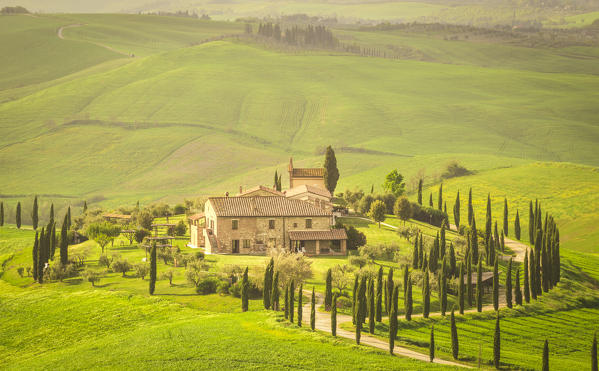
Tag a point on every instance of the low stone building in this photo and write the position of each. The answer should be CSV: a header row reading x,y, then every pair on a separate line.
x,y
253,224
317,196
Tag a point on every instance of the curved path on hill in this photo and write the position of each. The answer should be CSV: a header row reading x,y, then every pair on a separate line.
x,y
61,36
323,323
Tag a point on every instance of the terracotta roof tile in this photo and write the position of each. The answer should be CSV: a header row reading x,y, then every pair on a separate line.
x,y
313,235
264,206
304,188
116,216
197,216
261,188
307,172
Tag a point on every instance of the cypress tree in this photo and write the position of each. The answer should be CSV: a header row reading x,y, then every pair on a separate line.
x,y
152,266
331,173
430,200
35,257
355,299
532,274
526,279
431,346
53,241
34,214
287,301
443,288
408,302
420,192
455,347
502,242
489,220
245,288
18,215
440,200
313,311
427,295
479,288
545,277
517,226
496,286
421,252
379,295
40,256
1,214
518,290
452,262
456,210
406,275
415,258
85,206
328,293
497,343
68,214
291,300
268,284
469,289
557,260
443,242
505,222
371,307
359,315
389,290
334,316
299,305
594,353
531,224
461,289
508,285
392,326
275,292
546,356
474,241
276,180
470,209
362,300
52,213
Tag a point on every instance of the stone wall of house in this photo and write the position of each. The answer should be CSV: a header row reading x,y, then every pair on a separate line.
x,y
256,231
315,182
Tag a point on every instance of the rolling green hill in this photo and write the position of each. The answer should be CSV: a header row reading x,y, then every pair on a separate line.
x,y
186,117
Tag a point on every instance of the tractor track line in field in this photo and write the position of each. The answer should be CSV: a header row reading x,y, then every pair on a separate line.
x,y
61,36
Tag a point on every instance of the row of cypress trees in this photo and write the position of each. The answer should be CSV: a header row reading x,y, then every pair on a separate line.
x,y
34,214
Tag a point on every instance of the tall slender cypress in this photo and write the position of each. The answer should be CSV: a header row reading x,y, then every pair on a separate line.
x,y
427,295
355,299
415,258
461,289
52,213
470,209
268,284
18,215
300,310
34,214
392,326
518,290
440,200
152,266
408,302
455,346
474,241
452,262
469,290
388,290
430,200
497,344
371,307
313,311
489,219
287,301
334,316
546,356
505,221
431,346
443,291
52,241
508,285
526,279
406,275
68,215
532,274
456,210
41,256
517,226
531,224
245,288
479,287
35,257
379,295
1,214
291,300
420,191
328,293
274,296
496,285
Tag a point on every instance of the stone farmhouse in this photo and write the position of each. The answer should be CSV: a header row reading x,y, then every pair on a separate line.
x,y
299,219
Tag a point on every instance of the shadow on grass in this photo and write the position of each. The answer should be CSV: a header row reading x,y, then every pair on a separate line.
x,y
104,285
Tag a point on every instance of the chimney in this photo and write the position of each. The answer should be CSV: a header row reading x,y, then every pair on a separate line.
x,y
227,194
240,189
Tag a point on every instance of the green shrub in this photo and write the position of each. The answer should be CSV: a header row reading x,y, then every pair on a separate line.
x,y
344,302
180,228
223,287
207,285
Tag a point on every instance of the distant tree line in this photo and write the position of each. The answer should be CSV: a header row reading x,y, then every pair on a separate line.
x,y
14,10
307,36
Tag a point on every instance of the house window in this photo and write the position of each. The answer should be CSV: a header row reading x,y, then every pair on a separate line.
x,y
235,246
271,224
294,225
246,244
308,223
234,224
